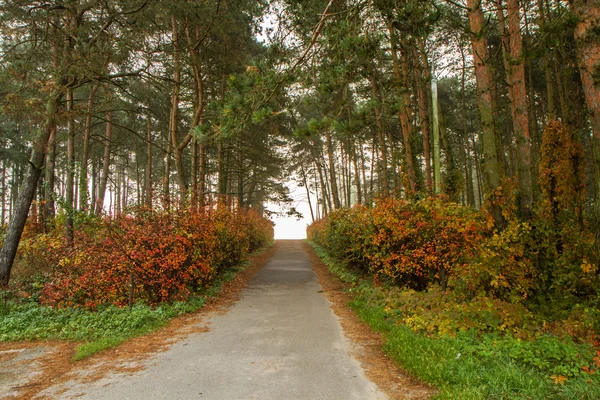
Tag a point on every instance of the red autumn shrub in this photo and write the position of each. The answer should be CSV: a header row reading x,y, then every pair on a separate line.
x,y
424,241
413,244
259,229
169,254
232,237
316,231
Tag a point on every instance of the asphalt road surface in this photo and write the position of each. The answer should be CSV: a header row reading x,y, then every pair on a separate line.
x,y
279,341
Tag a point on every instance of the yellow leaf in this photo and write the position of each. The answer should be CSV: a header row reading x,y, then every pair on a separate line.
x,y
559,380
586,267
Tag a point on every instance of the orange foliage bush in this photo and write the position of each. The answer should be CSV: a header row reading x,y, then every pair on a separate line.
x,y
169,254
412,244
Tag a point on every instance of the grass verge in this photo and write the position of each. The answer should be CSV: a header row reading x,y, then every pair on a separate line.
x,y
473,365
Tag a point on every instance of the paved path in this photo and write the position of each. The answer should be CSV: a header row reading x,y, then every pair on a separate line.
x,y
280,341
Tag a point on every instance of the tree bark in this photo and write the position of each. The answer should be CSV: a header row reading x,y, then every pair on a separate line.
x,y
422,81
404,114
380,138
3,173
70,184
105,164
50,175
588,52
85,153
305,182
483,78
173,117
515,75
332,173
149,186
27,192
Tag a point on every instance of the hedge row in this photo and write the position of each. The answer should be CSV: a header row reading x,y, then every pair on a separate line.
x,y
167,255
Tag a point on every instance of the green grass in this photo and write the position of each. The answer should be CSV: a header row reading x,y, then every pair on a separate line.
x,y
100,329
473,365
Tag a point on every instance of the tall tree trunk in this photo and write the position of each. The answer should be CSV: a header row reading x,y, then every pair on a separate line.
x,y
405,111
380,138
173,117
202,180
325,195
401,79
422,82
70,184
483,78
332,174
94,184
25,197
515,75
356,173
50,175
167,176
194,174
85,152
149,186
305,182
3,173
588,54
105,163
222,181
436,138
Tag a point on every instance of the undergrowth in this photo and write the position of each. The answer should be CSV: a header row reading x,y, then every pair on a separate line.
x,y
472,363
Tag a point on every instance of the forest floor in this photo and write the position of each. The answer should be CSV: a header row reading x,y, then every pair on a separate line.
x,y
282,331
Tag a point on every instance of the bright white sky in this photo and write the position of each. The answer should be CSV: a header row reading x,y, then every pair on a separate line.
x,y
289,227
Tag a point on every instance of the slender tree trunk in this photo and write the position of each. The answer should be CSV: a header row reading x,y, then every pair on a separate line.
x,y
588,54
515,75
3,217
85,153
325,195
380,138
105,164
332,174
363,171
404,114
50,175
424,116
69,198
222,182
194,174
149,186
305,182
356,173
202,183
173,117
167,176
483,78
27,192
94,183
